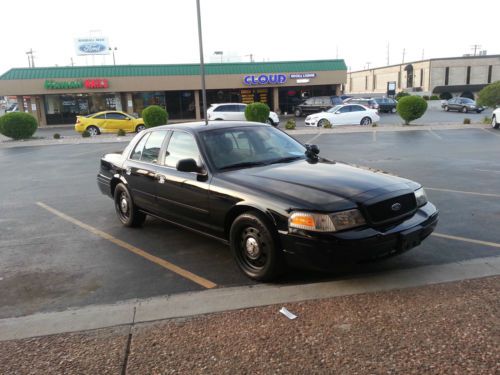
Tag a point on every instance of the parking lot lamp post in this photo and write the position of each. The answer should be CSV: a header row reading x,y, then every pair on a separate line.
x,y
202,65
113,51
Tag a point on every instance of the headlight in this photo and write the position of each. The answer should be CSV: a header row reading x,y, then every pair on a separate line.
x,y
420,197
326,223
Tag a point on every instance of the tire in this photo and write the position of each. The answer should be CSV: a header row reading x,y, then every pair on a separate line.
x,y
321,123
218,119
125,208
298,112
255,248
494,123
393,110
366,121
446,108
93,130
139,128
464,110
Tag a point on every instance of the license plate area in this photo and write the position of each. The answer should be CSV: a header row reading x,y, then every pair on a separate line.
x,y
409,239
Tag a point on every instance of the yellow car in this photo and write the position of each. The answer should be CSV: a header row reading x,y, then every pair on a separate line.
x,y
108,122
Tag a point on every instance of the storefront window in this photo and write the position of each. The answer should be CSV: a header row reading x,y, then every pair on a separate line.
x,y
289,97
143,99
180,104
63,109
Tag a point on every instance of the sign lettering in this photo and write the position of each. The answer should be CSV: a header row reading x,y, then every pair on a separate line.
x,y
265,79
95,83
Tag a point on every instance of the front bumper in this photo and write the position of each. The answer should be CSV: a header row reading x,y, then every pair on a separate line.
x,y
324,250
311,122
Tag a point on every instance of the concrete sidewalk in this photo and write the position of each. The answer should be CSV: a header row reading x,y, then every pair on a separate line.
x,y
450,328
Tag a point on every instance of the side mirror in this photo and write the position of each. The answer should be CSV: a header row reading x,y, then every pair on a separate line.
x,y
188,165
312,151
337,112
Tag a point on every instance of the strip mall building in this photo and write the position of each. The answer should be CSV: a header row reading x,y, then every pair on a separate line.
x,y
57,95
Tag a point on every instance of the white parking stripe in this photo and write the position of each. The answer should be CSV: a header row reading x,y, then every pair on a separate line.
x,y
436,135
464,192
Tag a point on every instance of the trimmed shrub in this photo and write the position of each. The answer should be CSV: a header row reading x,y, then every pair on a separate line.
x,y
466,120
426,97
486,120
401,94
154,115
258,112
445,96
327,125
57,136
120,133
434,97
18,125
290,124
85,134
490,95
411,108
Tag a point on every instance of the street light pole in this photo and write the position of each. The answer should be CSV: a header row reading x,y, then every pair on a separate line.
x,y
113,51
202,65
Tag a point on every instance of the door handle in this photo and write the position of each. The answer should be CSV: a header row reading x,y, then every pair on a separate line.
x,y
161,178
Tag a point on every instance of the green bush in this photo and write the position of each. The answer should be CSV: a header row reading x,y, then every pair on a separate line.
x,y
486,120
258,112
154,115
85,134
120,133
401,94
466,120
490,95
434,97
445,96
18,125
290,124
411,108
57,136
327,124
426,97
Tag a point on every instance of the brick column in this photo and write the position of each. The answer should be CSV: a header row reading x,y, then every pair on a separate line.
x,y
197,108
40,108
276,99
130,103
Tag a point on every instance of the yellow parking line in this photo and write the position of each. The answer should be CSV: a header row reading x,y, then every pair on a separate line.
x,y
464,239
161,262
465,192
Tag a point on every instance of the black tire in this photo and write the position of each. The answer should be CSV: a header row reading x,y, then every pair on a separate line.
x,y
219,119
393,110
494,123
255,247
93,130
366,121
139,128
125,208
298,112
446,108
464,110
321,123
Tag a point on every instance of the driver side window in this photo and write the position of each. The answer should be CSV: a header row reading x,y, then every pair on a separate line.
x,y
181,146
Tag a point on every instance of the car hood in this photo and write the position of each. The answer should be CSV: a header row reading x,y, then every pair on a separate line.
x,y
323,186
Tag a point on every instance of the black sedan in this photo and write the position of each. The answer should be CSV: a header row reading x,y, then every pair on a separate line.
x,y
271,198
463,105
386,105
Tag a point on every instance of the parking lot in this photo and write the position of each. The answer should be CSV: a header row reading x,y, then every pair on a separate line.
x,y
63,246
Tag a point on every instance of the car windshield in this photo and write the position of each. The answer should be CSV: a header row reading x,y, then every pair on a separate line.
x,y
249,146
334,109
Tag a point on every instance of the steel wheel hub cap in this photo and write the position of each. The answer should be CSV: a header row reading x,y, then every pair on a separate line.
x,y
124,205
252,248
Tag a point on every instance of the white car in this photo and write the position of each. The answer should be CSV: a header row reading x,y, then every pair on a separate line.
x,y
495,119
346,114
235,112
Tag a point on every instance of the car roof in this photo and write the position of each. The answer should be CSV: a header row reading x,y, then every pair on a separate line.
x,y
200,126
213,104
103,112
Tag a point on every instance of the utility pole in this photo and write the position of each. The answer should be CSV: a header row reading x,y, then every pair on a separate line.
x,y
368,65
404,50
475,47
72,63
31,58
113,51
388,54
202,64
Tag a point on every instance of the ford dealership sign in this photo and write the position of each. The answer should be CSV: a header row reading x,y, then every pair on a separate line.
x,y
92,46
265,79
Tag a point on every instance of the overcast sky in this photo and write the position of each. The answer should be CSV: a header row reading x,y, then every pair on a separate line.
x,y
165,32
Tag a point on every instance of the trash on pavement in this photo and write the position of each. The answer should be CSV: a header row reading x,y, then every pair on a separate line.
x,y
287,313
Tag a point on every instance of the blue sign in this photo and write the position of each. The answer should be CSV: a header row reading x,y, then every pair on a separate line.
x,y
90,48
302,75
265,79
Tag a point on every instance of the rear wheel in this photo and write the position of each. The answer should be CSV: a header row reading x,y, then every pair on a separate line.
x,y
93,130
139,128
494,123
125,208
254,247
366,121
298,112
393,110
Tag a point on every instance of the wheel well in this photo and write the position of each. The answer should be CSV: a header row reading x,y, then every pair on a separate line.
x,y
237,211
115,181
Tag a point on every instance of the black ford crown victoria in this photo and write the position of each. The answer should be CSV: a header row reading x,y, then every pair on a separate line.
x,y
272,199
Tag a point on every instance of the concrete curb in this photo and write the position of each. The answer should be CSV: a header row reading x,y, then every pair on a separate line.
x,y
234,298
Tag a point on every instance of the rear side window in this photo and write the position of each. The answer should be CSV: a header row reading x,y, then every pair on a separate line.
x,y
116,116
357,108
345,109
152,148
137,153
102,116
221,108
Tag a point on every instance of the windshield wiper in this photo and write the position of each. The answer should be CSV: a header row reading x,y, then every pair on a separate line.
x,y
245,164
286,159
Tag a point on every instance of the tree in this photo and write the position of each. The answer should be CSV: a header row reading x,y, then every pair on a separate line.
x,y
490,95
258,112
154,116
411,108
18,125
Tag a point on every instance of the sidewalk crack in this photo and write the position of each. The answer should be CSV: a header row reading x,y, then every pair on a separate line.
x,y
127,346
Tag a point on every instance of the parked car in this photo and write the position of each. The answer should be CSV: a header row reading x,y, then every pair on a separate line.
x,y
273,200
386,105
108,122
367,102
346,114
316,104
12,108
235,112
495,119
463,105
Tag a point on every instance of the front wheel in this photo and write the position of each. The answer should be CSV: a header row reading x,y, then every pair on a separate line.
x,y
494,123
298,112
93,130
393,110
139,128
446,108
254,247
366,121
125,208
464,110
321,123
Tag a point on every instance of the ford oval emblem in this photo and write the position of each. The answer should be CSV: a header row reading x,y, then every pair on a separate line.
x,y
396,207
92,47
